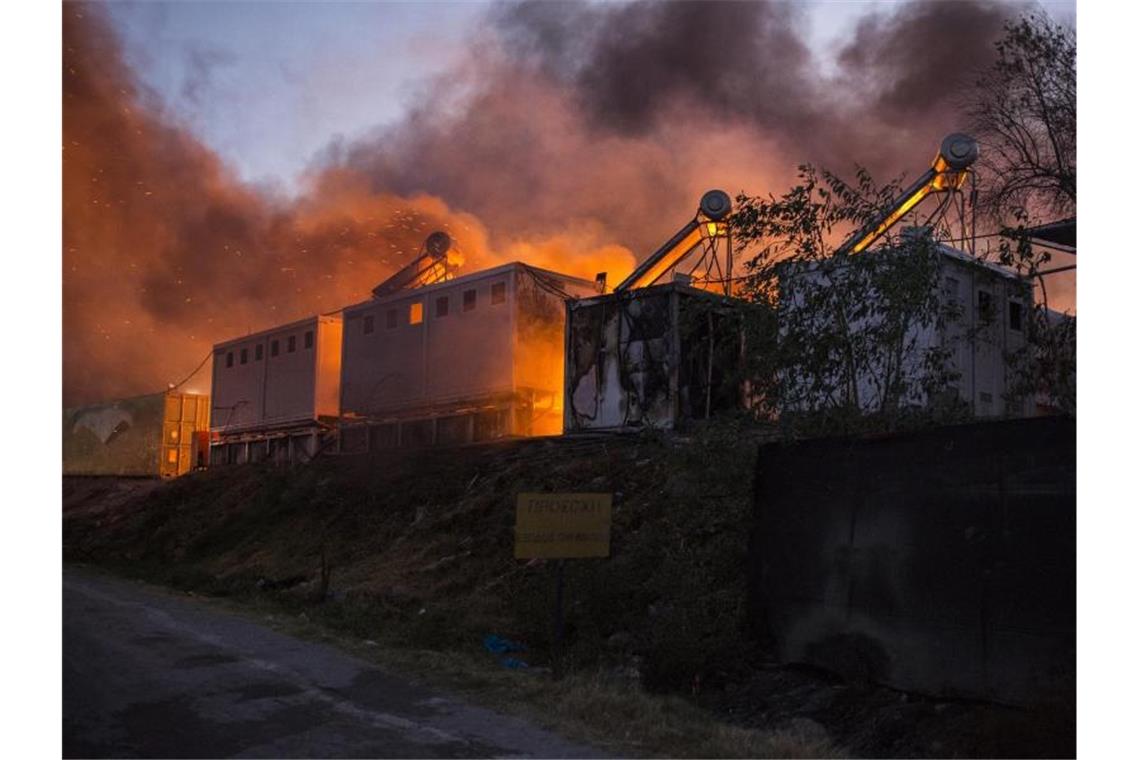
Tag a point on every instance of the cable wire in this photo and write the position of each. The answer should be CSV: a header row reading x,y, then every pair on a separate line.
x,y
201,364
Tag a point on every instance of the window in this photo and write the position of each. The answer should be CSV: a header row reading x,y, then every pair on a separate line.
x,y
369,323
174,435
291,345
468,300
1015,316
230,359
308,338
391,319
258,352
415,313
985,306
172,456
441,306
498,293
274,348
245,356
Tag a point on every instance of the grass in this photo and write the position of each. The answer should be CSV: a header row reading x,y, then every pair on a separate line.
x,y
419,548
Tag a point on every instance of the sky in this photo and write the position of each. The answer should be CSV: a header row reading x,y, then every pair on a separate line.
x,y
232,166
269,84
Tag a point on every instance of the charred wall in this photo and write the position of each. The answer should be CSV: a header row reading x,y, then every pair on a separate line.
x,y
654,357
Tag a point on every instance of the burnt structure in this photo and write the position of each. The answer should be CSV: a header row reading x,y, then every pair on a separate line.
x,y
668,345
653,358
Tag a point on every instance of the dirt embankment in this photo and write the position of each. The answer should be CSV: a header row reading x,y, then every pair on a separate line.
x,y
415,549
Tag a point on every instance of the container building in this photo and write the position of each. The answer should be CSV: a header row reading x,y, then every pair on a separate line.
x,y
657,357
472,358
276,392
667,346
158,435
990,308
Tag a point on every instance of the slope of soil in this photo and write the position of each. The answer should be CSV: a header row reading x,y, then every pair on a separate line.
x,y
414,550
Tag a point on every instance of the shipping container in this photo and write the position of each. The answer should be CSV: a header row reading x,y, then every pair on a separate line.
x,y
473,358
276,392
159,435
278,378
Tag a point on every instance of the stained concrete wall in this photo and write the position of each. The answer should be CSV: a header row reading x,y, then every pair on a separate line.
x,y
942,561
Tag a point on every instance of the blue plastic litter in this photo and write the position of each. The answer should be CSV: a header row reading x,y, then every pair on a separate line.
x,y
498,645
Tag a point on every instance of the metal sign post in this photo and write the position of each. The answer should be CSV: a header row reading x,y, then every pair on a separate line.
x,y
562,526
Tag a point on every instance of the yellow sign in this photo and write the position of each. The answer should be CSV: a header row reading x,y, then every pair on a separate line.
x,y
563,525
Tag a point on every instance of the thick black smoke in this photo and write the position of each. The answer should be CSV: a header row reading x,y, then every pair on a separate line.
x,y
569,135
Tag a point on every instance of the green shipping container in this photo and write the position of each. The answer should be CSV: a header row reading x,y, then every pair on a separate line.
x,y
159,435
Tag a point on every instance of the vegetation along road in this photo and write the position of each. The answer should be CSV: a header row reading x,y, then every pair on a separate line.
x,y
151,674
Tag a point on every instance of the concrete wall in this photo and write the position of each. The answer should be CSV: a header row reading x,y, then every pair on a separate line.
x,y
942,562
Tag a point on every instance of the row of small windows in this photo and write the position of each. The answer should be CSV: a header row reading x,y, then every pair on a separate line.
x,y
442,308
274,349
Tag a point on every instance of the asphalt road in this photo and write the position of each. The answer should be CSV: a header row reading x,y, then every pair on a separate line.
x,y
152,674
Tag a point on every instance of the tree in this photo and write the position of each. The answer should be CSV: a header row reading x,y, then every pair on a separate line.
x,y
850,350
1023,110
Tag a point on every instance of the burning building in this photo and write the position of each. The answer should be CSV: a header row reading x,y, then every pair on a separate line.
x,y
276,393
435,359
432,358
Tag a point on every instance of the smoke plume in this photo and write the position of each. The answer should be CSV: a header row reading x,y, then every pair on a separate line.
x,y
575,137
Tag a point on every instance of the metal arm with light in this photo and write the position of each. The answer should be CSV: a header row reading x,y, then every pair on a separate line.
x,y
947,173
707,226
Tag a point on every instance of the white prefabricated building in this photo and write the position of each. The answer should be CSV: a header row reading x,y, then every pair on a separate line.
x,y
473,358
994,306
276,393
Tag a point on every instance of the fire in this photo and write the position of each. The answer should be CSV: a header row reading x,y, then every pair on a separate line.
x,y
576,254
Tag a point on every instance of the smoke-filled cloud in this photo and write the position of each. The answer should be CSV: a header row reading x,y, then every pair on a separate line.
x,y
572,136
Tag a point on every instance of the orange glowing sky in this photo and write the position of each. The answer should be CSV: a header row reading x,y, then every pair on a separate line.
x,y
575,137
